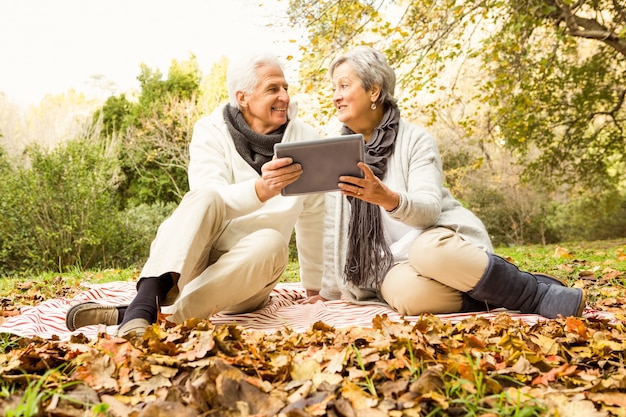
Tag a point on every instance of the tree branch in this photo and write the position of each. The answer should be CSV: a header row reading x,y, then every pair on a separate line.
x,y
589,28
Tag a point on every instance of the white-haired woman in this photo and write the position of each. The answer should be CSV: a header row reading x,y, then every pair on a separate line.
x,y
397,236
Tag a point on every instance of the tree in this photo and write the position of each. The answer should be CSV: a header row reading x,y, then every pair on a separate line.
x,y
547,78
156,128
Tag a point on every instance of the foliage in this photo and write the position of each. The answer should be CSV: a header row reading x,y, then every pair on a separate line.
x,y
156,128
155,156
475,366
38,392
544,77
64,210
55,119
213,87
601,214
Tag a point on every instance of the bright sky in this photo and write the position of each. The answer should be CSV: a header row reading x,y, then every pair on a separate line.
x,y
50,46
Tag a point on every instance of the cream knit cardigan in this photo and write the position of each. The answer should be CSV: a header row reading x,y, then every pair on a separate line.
x,y
414,171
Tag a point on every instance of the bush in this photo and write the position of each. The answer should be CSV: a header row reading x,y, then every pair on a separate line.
x,y
64,211
598,216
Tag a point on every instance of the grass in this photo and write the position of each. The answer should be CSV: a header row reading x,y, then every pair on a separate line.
x,y
570,261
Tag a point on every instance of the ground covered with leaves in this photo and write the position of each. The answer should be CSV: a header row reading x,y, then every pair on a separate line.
x,y
477,367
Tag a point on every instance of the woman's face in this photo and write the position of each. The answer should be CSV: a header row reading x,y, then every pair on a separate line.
x,y
352,101
265,110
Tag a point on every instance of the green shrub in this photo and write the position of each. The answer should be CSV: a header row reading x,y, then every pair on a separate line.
x,y
141,224
64,211
597,216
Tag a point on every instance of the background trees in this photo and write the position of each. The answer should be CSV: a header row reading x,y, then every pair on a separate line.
x,y
547,78
512,90
96,198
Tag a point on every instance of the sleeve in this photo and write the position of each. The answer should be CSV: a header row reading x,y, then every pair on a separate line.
x,y
333,247
309,241
419,163
212,163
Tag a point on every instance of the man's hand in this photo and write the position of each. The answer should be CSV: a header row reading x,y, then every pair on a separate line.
x,y
276,175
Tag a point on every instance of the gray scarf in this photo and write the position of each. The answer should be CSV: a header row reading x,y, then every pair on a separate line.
x,y
369,257
255,148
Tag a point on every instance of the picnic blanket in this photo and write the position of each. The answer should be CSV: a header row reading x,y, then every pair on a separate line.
x,y
47,319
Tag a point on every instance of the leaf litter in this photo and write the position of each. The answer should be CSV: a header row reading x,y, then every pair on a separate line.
x,y
475,367
562,367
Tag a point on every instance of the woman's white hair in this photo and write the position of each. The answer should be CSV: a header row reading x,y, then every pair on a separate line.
x,y
242,73
372,68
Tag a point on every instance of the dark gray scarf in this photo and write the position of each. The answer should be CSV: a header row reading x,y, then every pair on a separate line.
x,y
369,257
255,148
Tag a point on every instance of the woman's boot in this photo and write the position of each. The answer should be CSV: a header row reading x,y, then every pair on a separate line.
x,y
504,285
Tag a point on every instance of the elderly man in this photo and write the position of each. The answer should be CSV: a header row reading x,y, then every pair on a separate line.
x,y
226,245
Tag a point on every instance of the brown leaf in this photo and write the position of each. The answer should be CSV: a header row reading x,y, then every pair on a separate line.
x,y
233,388
554,373
609,398
167,409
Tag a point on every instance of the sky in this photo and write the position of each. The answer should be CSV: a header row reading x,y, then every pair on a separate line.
x,y
51,46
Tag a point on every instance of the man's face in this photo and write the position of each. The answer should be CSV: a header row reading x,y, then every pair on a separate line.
x,y
265,110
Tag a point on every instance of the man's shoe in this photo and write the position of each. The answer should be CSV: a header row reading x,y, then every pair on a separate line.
x,y
134,328
90,313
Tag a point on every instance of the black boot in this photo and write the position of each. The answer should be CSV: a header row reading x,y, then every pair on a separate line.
x,y
471,305
504,285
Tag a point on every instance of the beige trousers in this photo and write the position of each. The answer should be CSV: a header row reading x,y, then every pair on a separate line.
x,y
236,281
440,268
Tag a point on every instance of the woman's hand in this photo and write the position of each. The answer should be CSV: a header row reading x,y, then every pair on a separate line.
x,y
370,189
312,300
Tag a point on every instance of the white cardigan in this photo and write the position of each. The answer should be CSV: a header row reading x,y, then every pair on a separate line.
x,y
215,162
414,170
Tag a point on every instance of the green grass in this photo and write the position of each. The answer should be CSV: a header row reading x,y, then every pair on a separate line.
x,y
569,260
595,262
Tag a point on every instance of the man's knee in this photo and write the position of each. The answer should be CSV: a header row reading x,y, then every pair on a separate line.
x,y
272,242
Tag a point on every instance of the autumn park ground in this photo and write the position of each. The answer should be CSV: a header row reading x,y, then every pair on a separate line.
x,y
476,367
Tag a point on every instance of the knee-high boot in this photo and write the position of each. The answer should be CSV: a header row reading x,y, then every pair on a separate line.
x,y
503,284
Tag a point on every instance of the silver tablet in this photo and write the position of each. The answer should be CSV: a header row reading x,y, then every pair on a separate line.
x,y
323,162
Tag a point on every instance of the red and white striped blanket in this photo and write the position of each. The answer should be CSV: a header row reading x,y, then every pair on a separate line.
x,y
47,319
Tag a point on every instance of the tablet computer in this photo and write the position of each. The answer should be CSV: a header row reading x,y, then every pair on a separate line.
x,y
323,162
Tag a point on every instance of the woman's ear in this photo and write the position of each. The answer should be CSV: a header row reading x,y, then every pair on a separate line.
x,y
375,93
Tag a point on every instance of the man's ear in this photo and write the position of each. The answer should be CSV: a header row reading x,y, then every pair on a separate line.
x,y
241,99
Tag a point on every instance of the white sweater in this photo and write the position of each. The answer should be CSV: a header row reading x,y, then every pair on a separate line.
x,y
414,170
215,162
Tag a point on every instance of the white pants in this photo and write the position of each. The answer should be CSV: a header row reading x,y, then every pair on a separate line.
x,y
236,281
441,266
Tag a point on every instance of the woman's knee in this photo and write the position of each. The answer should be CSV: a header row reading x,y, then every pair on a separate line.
x,y
436,301
433,247
411,294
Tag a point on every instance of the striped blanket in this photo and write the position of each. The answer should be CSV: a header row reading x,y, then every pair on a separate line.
x,y
47,319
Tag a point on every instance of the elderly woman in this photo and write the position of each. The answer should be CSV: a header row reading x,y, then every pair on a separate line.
x,y
397,236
